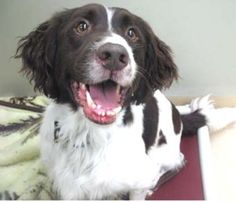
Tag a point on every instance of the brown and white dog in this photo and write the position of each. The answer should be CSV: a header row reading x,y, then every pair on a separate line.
x,y
109,130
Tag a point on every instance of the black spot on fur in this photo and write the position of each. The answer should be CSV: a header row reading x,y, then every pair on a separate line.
x,y
56,131
151,114
176,119
192,122
128,117
162,139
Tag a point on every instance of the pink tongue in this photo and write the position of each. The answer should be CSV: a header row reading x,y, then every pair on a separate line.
x,y
105,95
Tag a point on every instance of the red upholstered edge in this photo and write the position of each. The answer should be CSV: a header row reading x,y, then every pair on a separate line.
x,y
187,184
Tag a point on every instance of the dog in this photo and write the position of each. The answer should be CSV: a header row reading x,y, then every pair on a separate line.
x,y
109,132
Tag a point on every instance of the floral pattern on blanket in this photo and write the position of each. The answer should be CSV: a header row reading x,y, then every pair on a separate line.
x,y
22,176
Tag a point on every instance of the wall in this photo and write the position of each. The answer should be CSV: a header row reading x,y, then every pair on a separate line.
x,y
202,35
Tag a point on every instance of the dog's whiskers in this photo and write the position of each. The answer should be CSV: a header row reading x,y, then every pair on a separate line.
x,y
140,73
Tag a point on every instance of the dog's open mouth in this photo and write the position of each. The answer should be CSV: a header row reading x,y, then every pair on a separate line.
x,y
101,102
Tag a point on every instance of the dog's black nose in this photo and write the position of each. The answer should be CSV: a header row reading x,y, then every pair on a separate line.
x,y
113,56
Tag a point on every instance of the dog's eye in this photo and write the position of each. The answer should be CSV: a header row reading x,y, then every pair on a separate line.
x,y
131,34
82,28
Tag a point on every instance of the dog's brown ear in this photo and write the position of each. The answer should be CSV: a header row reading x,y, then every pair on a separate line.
x,y
37,51
159,68
159,64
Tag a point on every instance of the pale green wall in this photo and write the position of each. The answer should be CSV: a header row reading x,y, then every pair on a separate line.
x,y
202,34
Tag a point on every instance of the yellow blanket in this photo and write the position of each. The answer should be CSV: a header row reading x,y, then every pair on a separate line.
x,y
22,175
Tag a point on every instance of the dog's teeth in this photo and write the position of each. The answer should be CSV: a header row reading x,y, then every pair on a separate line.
x,y
75,85
118,89
98,106
82,86
110,113
116,110
100,113
94,106
89,99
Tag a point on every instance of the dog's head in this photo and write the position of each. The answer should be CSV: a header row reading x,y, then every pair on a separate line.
x,y
98,58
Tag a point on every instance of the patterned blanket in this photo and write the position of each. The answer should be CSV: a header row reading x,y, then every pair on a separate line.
x,y
22,175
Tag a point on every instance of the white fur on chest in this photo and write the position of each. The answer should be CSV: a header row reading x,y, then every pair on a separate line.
x,y
89,161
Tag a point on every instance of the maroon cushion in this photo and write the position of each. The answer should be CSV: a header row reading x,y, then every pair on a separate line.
x,y
187,184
